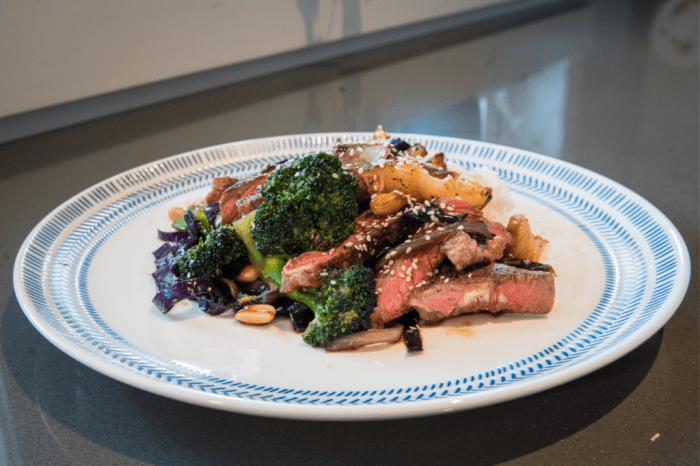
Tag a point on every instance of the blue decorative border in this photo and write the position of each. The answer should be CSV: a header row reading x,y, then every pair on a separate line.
x,y
59,254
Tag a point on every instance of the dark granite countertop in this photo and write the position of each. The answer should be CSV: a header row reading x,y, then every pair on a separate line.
x,y
606,86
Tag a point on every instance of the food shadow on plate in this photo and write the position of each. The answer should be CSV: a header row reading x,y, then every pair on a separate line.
x,y
183,311
466,321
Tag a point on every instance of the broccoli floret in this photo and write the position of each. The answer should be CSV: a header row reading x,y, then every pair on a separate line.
x,y
309,203
342,306
219,249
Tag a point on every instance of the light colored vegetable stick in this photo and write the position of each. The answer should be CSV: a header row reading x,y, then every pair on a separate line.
x,y
416,181
525,245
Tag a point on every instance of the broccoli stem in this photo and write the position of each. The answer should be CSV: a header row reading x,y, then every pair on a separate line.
x,y
341,307
270,267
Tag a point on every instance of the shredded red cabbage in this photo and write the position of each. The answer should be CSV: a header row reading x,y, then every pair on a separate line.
x,y
213,308
164,275
174,236
166,298
212,211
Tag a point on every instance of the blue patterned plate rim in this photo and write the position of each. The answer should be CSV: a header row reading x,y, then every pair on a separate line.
x,y
643,264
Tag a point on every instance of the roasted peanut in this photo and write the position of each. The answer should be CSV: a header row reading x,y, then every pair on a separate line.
x,y
387,203
439,160
248,275
256,314
418,151
175,213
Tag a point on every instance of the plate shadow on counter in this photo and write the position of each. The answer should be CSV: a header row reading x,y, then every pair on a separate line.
x,y
159,430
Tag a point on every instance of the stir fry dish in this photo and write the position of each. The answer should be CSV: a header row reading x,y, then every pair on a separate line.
x,y
359,245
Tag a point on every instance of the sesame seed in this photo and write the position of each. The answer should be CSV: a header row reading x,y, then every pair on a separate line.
x,y
348,245
335,175
408,249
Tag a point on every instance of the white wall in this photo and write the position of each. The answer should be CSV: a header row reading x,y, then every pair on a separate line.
x,y
57,51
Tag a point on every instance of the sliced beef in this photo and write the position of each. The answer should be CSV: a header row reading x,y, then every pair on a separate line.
x,y
463,251
397,275
416,260
501,238
248,204
237,191
372,233
469,247
494,288
218,187
456,206
495,246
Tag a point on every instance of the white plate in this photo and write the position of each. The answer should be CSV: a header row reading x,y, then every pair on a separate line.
x,y
83,279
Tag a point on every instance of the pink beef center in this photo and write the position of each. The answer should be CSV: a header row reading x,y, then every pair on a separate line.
x,y
461,207
496,228
311,258
393,301
444,301
519,294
